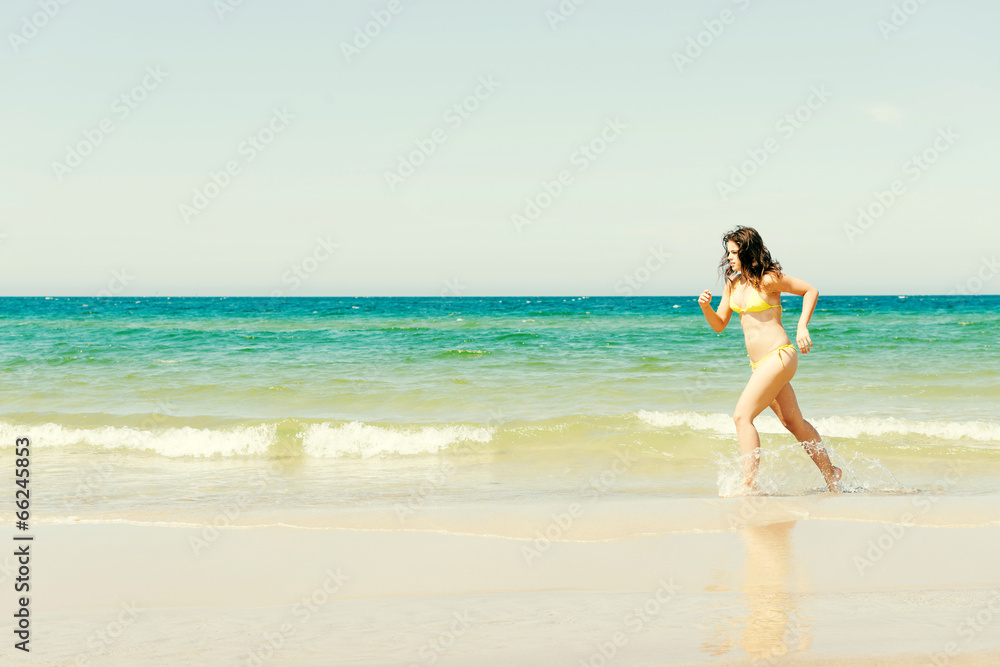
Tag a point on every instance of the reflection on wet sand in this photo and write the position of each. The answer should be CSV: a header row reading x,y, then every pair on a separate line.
x,y
766,614
772,627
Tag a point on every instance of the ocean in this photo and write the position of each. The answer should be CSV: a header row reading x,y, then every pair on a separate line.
x,y
458,414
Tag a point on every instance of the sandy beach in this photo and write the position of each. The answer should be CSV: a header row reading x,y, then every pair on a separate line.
x,y
806,592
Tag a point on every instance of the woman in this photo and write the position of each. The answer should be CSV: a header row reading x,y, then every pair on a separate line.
x,y
754,283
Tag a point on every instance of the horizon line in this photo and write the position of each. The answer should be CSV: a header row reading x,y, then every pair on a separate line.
x,y
442,297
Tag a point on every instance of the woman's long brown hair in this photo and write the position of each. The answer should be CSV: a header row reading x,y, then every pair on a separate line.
x,y
755,258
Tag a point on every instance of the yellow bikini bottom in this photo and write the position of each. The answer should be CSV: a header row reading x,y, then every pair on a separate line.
x,y
754,364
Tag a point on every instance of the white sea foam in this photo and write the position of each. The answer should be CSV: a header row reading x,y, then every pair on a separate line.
x,y
838,427
326,440
364,440
367,441
713,422
184,441
853,427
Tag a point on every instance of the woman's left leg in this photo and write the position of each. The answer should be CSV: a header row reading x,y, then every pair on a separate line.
x,y
761,389
786,407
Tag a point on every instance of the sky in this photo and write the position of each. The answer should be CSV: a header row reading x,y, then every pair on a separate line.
x,y
488,147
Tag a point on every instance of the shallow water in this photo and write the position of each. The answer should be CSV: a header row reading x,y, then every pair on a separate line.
x,y
172,410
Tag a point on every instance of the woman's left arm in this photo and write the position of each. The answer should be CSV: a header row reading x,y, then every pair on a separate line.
x,y
809,294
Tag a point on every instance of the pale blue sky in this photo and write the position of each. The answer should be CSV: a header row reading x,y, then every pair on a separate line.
x,y
448,227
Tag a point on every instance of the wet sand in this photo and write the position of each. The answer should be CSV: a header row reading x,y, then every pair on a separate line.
x,y
806,592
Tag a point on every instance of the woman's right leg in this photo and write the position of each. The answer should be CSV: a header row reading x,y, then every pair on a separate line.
x,y
786,407
760,391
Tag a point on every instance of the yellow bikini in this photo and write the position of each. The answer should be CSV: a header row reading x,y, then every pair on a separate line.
x,y
755,304
754,364
755,307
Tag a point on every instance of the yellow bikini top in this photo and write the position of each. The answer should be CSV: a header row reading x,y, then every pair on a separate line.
x,y
755,303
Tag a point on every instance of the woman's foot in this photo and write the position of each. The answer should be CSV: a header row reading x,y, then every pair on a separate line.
x,y
834,483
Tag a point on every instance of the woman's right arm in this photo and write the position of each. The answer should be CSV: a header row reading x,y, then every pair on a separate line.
x,y
716,320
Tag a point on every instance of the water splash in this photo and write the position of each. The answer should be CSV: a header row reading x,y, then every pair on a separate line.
x,y
786,469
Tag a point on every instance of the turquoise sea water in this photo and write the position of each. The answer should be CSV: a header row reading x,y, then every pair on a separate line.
x,y
362,401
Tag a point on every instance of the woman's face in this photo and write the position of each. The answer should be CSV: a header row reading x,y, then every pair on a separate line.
x,y
734,260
